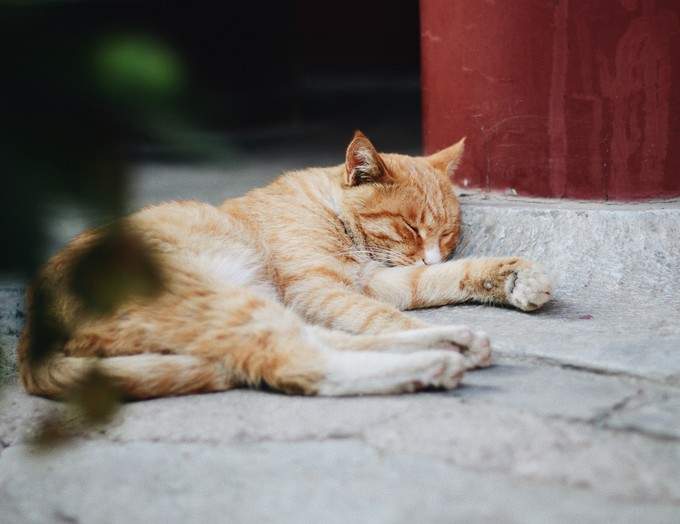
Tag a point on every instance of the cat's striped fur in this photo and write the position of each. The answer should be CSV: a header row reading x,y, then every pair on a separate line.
x,y
299,285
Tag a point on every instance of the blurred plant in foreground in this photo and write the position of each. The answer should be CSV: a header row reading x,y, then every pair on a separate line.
x,y
93,402
117,267
74,104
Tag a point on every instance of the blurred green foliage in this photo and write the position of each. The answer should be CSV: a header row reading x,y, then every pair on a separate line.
x,y
75,103
47,333
118,267
53,431
92,403
95,400
137,69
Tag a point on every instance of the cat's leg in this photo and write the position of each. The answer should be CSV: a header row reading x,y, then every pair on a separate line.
x,y
262,342
509,281
213,338
369,373
327,302
474,346
331,302
274,346
278,349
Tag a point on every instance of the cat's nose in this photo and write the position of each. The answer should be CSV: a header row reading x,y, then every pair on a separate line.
x,y
432,255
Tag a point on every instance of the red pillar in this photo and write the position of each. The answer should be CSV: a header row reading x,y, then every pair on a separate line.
x,y
558,98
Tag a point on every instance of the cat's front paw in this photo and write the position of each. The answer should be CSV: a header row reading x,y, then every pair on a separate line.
x,y
527,287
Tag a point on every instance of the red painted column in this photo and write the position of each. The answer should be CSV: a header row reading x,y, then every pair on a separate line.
x,y
558,98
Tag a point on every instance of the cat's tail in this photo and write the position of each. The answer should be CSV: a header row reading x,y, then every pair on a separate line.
x,y
137,376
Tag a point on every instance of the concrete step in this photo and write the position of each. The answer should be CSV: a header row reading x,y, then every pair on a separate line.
x,y
616,269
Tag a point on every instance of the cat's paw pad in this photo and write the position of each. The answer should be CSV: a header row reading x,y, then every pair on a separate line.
x,y
528,287
436,369
474,346
478,352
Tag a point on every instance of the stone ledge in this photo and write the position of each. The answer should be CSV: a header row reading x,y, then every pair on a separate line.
x,y
616,269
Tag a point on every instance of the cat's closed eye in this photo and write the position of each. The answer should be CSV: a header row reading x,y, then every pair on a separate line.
x,y
411,227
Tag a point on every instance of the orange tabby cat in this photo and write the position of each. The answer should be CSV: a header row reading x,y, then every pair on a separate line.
x,y
298,285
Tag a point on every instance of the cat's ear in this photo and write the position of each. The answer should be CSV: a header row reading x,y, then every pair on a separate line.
x,y
447,160
363,163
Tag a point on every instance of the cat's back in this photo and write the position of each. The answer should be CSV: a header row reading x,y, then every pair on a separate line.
x,y
293,195
188,226
184,237
297,213
200,239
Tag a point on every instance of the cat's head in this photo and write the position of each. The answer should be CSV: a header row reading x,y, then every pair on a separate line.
x,y
404,207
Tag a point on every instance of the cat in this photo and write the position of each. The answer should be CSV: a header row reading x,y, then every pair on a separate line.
x,y
299,286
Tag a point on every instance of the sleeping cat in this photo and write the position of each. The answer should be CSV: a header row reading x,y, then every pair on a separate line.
x,y
298,286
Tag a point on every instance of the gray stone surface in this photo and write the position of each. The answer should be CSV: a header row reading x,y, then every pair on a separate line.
x,y
616,269
578,421
659,415
333,481
11,321
465,455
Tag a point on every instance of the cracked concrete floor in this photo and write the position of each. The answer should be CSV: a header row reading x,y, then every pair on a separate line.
x,y
578,421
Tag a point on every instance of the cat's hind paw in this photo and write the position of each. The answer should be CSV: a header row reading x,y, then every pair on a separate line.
x,y
478,352
474,346
369,373
438,369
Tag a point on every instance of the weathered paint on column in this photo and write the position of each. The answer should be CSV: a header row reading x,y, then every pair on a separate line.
x,y
558,98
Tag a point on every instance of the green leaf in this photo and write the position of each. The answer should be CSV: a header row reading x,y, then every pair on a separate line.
x,y
119,266
137,67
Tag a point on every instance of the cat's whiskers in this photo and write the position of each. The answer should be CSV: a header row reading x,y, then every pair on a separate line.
x,y
390,253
